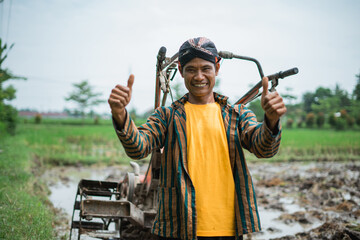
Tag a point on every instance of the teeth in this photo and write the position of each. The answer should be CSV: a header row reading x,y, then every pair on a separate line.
x,y
199,85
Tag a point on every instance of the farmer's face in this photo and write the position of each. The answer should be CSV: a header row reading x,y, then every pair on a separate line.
x,y
199,77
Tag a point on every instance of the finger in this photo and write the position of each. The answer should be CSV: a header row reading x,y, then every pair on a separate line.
x,y
265,85
122,88
276,109
118,103
271,99
282,111
130,81
114,102
122,99
120,92
277,112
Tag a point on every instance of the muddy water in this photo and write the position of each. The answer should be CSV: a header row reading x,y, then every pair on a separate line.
x,y
292,197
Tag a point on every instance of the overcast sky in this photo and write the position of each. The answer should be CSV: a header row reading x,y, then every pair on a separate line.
x,y
58,43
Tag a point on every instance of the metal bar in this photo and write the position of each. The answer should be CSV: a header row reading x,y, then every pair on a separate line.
x,y
112,209
84,183
88,225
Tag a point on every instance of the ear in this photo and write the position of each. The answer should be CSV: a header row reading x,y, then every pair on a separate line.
x,y
217,68
180,70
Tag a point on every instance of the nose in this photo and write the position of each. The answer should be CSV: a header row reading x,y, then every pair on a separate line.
x,y
199,75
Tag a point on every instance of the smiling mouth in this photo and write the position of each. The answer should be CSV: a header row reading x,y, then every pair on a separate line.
x,y
200,85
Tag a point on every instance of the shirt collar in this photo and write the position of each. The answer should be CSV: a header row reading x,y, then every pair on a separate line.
x,y
221,99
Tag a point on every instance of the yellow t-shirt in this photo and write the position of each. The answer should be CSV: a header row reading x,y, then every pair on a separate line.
x,y
210,170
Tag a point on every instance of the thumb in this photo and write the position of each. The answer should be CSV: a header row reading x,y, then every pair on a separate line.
x,y
265,85
130,81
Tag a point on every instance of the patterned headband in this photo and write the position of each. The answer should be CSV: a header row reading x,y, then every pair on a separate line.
x,y
200,47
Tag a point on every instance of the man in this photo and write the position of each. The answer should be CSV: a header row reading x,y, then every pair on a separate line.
x,y
205,189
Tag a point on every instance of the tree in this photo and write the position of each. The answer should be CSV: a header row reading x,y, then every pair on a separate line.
x,y
343,96
322,93
356,92
8,113
308,99
84,97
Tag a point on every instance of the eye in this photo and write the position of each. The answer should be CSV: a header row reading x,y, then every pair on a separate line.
x,y
190,70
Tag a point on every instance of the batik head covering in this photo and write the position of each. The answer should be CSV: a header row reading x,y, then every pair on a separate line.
x,y
200,47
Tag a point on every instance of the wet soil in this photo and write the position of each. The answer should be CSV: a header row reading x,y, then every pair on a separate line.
x,y
311,200
296,200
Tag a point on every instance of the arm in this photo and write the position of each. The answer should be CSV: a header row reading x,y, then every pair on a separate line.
x,y
119,98
257,137
263,139
139,142
273,105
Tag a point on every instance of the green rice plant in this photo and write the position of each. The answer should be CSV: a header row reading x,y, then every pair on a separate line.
x,y
24,213
317,145
69,145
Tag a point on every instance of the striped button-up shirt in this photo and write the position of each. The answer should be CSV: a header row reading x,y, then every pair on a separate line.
x,y
166,128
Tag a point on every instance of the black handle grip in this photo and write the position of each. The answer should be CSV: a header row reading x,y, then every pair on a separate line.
x,y
161,54
226,54
283,74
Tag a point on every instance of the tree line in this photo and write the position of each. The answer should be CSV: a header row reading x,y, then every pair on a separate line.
x,y
324,107
335,108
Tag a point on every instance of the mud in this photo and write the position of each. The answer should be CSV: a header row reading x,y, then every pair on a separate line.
x,y
295,200
321,198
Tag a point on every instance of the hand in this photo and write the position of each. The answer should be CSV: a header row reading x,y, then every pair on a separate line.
x,y
272,103
119,98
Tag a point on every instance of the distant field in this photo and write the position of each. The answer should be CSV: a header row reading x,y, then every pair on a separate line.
x,y
313,144
64,144
310,138
68,144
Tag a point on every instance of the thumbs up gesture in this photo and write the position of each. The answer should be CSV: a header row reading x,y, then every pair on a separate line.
x,y
273,105
119,98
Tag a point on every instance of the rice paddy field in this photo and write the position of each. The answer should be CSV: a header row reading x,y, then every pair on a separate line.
x,y
68,144
24,207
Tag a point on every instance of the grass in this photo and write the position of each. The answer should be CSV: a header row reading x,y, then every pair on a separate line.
x,y
310,138
303,144
69,145
63,144
73,121
23,212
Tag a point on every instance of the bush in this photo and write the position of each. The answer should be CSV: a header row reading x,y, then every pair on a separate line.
x,y
340,124
9,118
357,120
299,123
343,114
332,120
310,119
350,121
96,120
2,128
289,123
38,118
320,119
